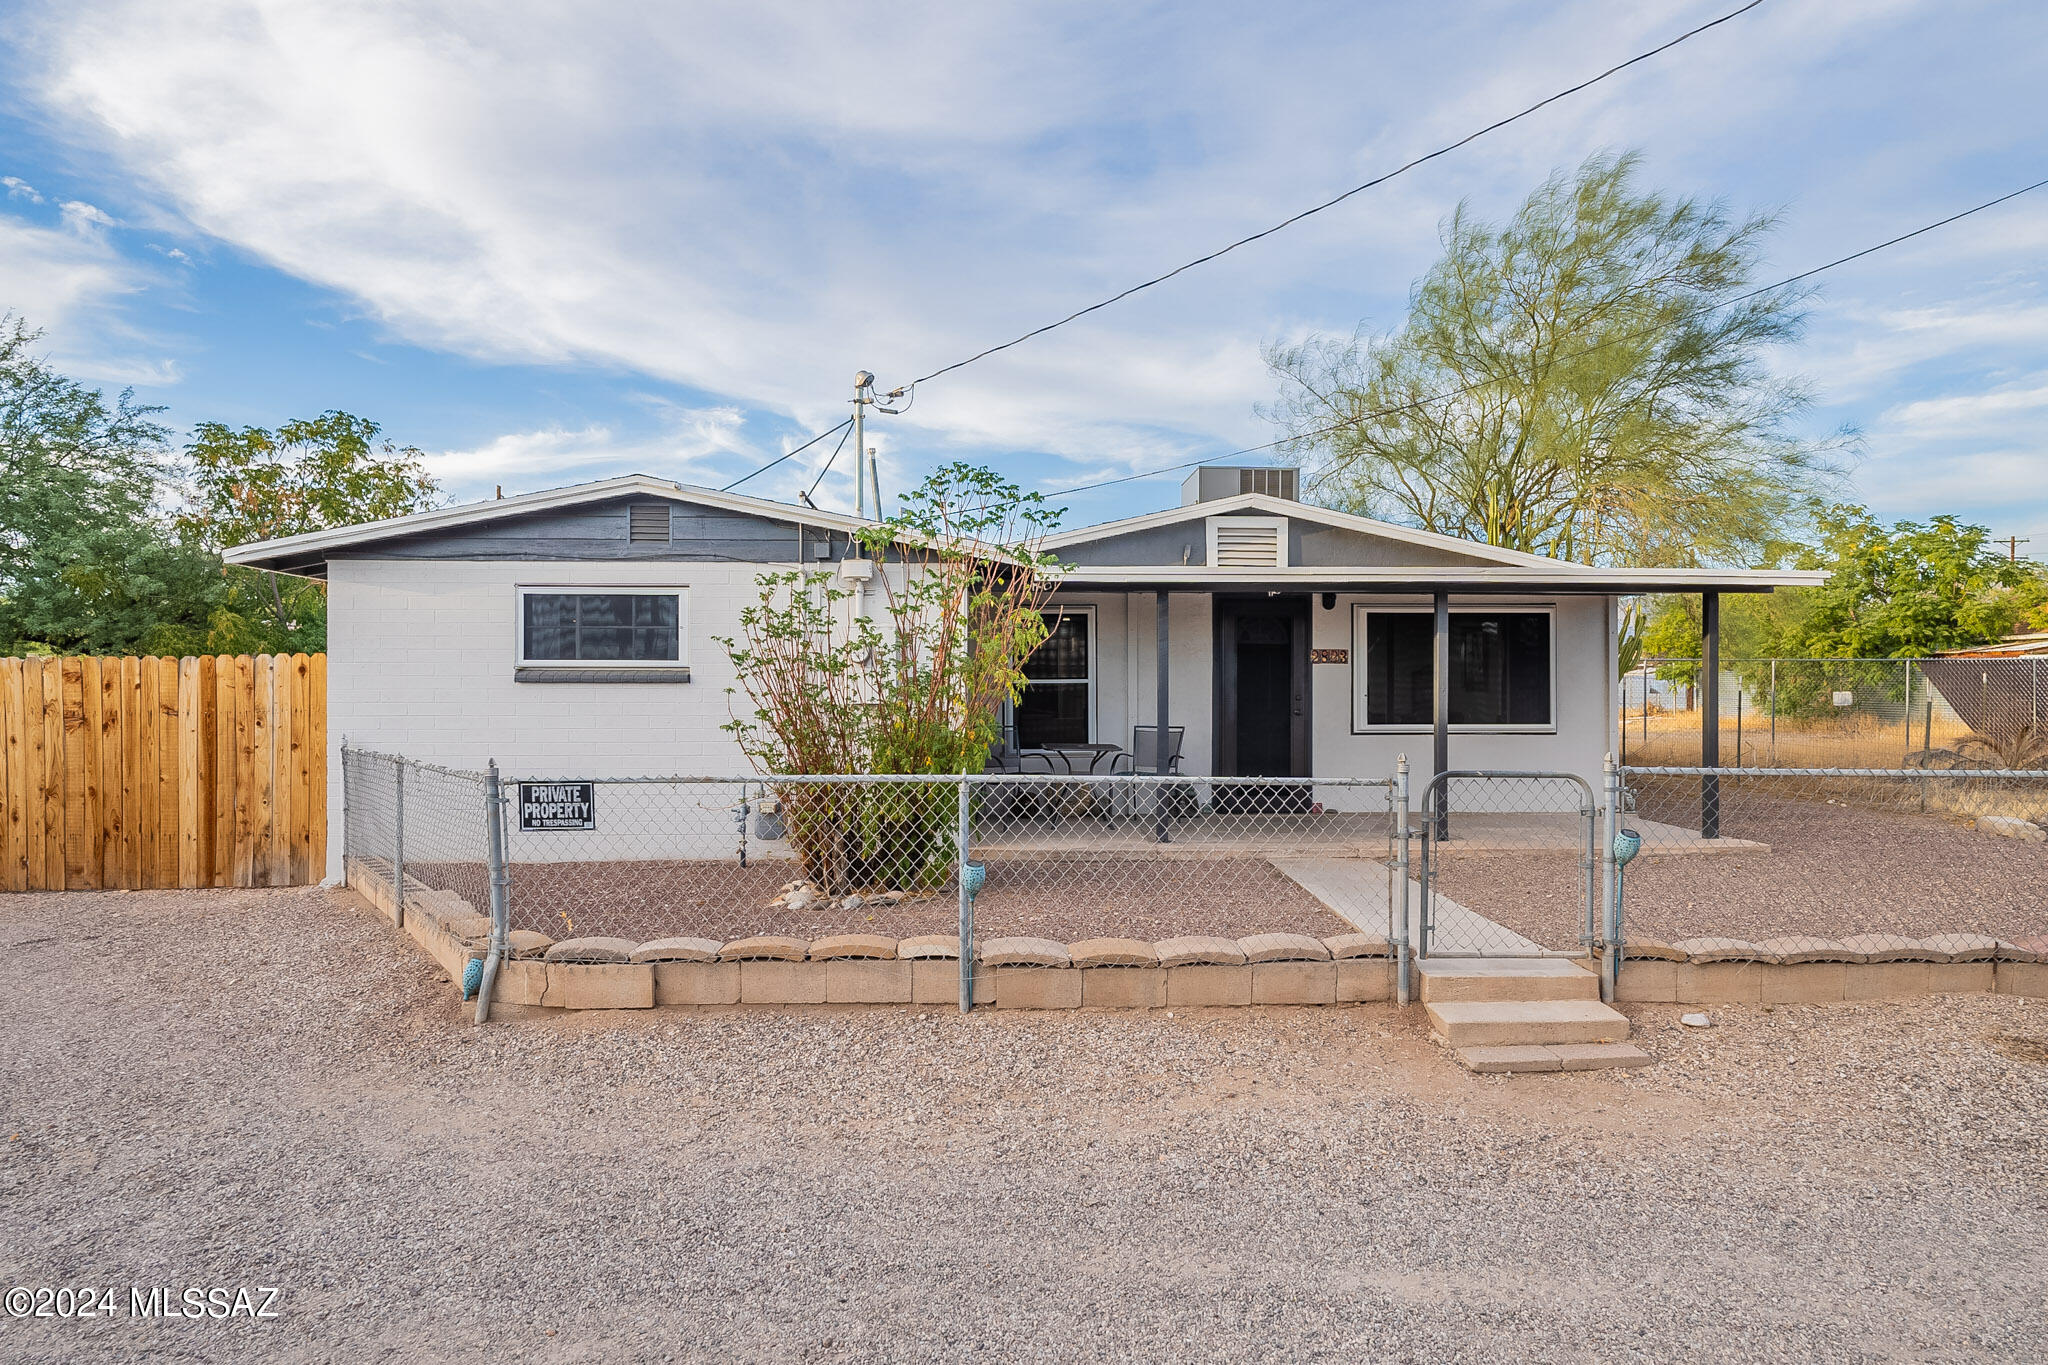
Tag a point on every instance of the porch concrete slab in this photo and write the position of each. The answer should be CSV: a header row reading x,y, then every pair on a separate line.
x,y
1357,889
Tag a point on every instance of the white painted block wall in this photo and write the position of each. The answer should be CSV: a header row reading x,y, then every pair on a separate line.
x,y
420,658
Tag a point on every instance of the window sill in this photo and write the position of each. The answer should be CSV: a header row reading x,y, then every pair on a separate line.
x,y
601,675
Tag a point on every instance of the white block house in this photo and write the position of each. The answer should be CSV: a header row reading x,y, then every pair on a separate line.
x,y
572,634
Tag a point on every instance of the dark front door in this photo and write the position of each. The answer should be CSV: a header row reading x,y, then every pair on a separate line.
x,y
1262,697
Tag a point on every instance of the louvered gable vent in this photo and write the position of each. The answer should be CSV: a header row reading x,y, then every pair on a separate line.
x,y
1248,542
647,521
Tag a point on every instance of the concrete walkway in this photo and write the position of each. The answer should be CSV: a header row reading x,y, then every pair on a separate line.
x,y
1358,889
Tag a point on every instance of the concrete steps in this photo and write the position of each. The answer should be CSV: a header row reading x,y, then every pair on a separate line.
x,y
1504,978
1524,1014
1512,1023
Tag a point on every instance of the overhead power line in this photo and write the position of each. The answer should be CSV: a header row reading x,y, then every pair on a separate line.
x,y
785,455
1479,384
1330,203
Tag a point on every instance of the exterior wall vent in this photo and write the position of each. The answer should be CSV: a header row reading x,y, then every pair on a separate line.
x,y
647,521
1247,542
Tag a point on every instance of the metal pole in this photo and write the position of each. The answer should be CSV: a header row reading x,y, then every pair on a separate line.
x,y
398,859
1160,793
1440,703
1909,705
1774,713
1738,720
501,908
966,911
1710,715
1402,963
1610,890
860,474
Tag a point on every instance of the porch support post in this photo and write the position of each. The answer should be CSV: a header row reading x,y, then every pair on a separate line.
x,y
1159,795
1710,714
1440,709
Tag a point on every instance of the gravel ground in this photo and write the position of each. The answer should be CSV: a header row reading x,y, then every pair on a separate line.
x,y
1832,870
1065,900
271,1088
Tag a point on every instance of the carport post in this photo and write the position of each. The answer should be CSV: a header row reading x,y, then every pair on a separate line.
x,y
1159,755
398,858
1710,714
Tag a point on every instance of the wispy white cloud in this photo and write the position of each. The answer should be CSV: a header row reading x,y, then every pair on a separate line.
x,y
17,188
684,446
753,203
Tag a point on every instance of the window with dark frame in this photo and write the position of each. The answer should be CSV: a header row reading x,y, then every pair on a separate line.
x,y
601,627
1500,668
1054,707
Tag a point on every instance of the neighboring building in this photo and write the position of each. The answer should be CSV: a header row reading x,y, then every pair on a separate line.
x,y
573,633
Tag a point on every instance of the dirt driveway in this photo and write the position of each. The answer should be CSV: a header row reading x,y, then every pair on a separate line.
x,y
269,1088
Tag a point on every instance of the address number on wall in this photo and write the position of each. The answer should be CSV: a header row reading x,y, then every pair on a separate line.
x,y
557,805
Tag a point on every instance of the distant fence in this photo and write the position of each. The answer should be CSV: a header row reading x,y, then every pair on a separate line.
x,y
143,773
1840,713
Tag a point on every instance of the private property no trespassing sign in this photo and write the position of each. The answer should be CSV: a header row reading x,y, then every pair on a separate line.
x,y
557,805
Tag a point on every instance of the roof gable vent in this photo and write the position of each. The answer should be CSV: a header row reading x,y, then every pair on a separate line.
x,y
647,521
1247,542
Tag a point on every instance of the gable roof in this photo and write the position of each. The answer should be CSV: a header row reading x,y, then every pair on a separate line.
x,y
1284,507
315,546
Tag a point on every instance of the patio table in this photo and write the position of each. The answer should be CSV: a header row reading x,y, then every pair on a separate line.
x,y
1089,755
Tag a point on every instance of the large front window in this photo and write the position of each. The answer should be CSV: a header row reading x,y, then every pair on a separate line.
x,y
616,626
1057,697
1500,669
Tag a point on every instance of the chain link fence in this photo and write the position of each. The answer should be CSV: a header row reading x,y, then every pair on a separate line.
x,y
1842,713
424,824
1066,867
1053,858
1897,856
1062,857
1492,843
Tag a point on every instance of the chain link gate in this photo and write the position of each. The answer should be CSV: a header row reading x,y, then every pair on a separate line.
x,y
1509,866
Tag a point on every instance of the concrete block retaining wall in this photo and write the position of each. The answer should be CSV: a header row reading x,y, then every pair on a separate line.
x,y
1263,969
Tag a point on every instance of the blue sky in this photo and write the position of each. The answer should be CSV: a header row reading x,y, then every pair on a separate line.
x,y
548,243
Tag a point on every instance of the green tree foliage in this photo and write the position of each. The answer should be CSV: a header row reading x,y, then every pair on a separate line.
x,y
1913,590
1903,592
1587,381
307,475
917,686
86,563
1907,591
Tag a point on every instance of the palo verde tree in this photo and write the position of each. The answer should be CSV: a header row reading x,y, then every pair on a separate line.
x,y
1586,381
308,475
916,686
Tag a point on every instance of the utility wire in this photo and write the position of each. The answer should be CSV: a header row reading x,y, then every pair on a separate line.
x,y
1468,388
848,424
785,455
1444,150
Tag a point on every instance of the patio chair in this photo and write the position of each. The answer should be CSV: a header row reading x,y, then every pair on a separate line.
x,y
1143,757
1144,753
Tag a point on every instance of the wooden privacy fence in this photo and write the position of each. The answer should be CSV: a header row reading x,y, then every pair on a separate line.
x,y
153,772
